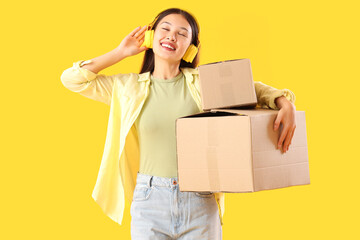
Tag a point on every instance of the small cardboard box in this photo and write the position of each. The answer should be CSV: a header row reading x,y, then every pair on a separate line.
x,y
227,84
230,150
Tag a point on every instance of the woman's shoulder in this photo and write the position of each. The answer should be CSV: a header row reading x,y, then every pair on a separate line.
x,y
134,78
142,76
187,70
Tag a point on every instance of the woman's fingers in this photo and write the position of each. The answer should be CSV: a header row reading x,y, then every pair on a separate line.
x,y
140,42
287,140
133,32
143,30
284,133
286,137
277,123
278,120
140,32
292,135
143,48
142,36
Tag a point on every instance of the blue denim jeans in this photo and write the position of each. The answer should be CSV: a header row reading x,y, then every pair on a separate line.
x,y
160,211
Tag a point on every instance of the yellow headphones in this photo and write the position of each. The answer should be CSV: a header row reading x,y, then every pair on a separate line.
x,y
149,37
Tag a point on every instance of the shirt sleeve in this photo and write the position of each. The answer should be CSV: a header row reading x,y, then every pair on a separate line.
x,y
266,95
98,87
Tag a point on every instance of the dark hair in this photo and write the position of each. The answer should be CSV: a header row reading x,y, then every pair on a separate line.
x,y
149,62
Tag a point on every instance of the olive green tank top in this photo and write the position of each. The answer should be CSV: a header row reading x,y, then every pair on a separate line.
x,y
167,100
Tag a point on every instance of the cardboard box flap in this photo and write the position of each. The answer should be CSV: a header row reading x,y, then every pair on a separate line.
x,y
210,114
252,112
225,61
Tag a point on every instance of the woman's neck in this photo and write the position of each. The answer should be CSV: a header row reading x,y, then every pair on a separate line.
x,y
165,70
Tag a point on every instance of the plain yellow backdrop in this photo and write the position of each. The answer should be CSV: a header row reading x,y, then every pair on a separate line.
x,y
52,139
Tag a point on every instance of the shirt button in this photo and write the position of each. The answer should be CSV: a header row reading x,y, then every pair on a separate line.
x,y
174,182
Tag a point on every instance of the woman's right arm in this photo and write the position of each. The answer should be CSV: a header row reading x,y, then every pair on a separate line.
x,y
97,64
83,76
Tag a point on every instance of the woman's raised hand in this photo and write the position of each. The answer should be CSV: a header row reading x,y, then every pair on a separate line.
x,y
130,45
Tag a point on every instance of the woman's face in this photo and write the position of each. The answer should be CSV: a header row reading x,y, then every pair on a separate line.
x,y
172,37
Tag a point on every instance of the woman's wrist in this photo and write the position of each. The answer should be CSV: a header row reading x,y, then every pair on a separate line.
x,y
282,101
119,53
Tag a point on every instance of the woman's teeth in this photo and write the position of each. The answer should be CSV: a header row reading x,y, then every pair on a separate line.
x,y
168,46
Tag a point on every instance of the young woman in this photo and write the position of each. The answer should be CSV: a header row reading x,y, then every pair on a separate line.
x,y
139,160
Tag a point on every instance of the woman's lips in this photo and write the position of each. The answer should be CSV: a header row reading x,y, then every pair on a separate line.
x,y
167,48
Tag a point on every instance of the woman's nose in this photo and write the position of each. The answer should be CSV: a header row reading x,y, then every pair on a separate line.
x,y
171,37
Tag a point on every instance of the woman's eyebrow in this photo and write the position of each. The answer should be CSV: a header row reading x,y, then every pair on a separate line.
x,y
180,27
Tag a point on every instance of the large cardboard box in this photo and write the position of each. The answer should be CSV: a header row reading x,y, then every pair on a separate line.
x,y
230,150
227,84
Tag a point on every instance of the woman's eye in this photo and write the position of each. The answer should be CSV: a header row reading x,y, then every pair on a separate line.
x,y
169,30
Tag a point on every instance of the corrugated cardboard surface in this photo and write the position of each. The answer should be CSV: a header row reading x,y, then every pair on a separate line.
x,y
273,169
209,153
230,150
227,84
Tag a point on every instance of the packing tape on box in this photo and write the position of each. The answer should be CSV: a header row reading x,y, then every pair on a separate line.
x,y
228,93
211,153
225,70
227,88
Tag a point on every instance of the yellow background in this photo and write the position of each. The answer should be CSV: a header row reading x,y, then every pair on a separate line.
x,y
52,140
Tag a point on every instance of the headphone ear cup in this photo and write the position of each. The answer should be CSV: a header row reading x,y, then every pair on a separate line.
x,y
148,39
151,39
190,53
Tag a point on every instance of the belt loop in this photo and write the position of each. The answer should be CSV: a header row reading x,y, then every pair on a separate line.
x,y
150,180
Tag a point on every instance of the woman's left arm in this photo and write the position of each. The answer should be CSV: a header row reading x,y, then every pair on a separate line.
x,y
282,100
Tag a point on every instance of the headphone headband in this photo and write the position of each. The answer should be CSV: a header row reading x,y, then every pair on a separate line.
x,y
151,25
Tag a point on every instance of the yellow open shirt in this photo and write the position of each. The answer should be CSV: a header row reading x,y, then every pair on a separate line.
x,y
126,94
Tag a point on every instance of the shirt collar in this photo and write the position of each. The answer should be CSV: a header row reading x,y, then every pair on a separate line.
x,y
188,72
144,76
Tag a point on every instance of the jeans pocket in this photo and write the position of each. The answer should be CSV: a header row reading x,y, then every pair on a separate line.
x,y
142,193
204,194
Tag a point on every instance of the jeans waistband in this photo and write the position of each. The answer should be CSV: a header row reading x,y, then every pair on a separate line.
x,y
150,180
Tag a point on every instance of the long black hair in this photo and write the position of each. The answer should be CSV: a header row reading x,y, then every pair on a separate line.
x,y
149,62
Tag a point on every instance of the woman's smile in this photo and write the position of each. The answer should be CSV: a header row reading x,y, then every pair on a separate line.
x,y
168,46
